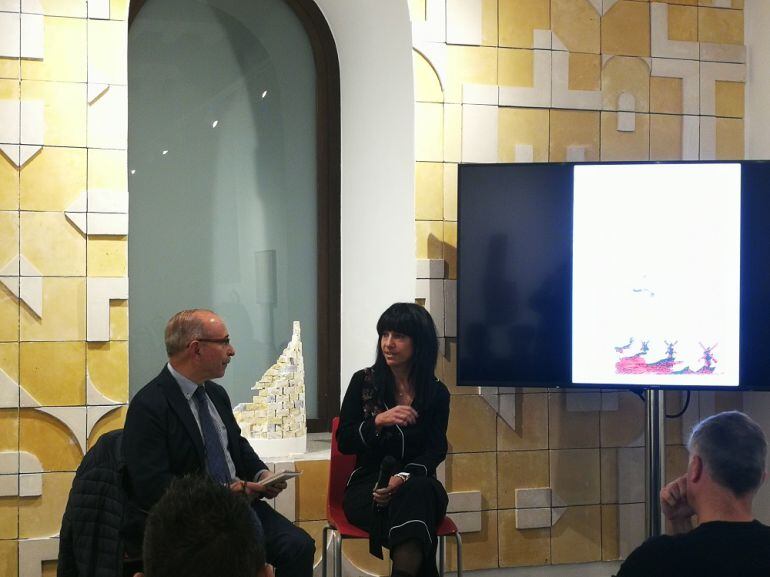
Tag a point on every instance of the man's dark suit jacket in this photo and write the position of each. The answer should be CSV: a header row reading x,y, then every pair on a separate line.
x,y
161,441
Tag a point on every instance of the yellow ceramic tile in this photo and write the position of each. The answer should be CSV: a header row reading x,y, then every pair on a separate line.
x,y
450,249
473,472
427,87
108,119
576,24
107,256
626,29
520,470
571,429
41,516
311,490
315,530
522,547
522,126
573,128
450,192
720,25
429,191
9,524
64,110
729,98
10,67
584,71
109,422
665,137
430,239
489,11
626,75
417,10
625,426
531,430
610,533
9,184
576,536
53,179
50,440
9,430
575,476
520,18
730,139
9,558
479,549
676,462
107,170
683,23
107,45
119,9
625,145
9,315
357,552
64,312
683,2
469,65
54,373
65,52
429,132
453,125
108,369
666,95
9,236
9,89
119,320
52,244
470,439
516,68
70,8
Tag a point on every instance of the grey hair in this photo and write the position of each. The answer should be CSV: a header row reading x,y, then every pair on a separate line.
x,y
183,327
733,449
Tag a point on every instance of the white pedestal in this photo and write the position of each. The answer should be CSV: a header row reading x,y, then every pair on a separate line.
x,y
270,448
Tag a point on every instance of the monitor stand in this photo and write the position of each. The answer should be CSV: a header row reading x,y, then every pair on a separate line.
x,y
655,459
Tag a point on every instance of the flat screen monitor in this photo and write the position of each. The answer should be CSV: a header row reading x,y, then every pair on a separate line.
x,y
614,275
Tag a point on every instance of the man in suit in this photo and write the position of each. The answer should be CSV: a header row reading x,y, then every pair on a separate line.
x,y
182,423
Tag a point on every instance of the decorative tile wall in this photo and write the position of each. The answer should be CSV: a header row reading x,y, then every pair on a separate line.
x,y
561,80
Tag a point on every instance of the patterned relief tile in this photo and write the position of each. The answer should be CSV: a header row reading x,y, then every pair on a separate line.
x,y
107,45
51,441
617,145
576,24
521,547
9,237
576,536
450,252
469,65
9,558
430,239
54,372
62,119
453,120
626,29
665,137
119,9
622,475
9,315
108,119
574,475
9,184
610,533
730,139
721,26
108,369
9,111
64,312
41,516
666,95
64,52
429,191
574,135
623,427
9,430
427,86
623,75
683,23
53,179
522,129
450,192
471,425
109,422
518,20
516,67
480,550
489,23
108,171
729,98
474,472
531,430
9,523
520,470
107,256
52,244
429,125
69,8
119,320
584,71
9,378
571,429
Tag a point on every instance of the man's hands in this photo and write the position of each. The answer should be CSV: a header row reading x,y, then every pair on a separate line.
x,y
254,489
382,496
676,508
401,415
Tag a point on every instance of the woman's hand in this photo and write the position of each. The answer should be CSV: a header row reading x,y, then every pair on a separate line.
x,y
382,496
401,415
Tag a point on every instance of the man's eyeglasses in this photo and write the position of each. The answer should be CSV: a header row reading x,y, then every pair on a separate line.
x,y
225,341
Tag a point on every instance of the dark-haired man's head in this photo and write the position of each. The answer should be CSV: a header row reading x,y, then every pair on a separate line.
x,y
201,529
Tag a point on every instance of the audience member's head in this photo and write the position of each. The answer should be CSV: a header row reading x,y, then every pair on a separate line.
x,y
732,448
202,529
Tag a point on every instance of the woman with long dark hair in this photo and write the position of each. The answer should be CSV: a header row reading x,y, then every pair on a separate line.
x,y
397,412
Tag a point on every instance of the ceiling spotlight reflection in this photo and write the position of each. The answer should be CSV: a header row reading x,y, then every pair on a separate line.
x,y
133,171
214,124
165,152
264,94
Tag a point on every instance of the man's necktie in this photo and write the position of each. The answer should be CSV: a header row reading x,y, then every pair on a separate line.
x,y
215,454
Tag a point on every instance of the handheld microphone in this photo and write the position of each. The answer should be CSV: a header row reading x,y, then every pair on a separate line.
x,y
387,466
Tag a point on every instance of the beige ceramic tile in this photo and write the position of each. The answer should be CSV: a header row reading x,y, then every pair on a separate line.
x,y
521,547
626,29
9,236
107,45
107,256
730,98
53,179
571,429
573,128
489,24
65,52
110,422
516,68
625,426
450,192
626,75
9,359
312,489
64,111
430,239
683,23
474,472
730,139
54,373
64,312
9,315
108,119
9,184
576,23
479,549
119,320
519,19
49,440
429,191
9,558
52,244
584,71
429,132
719,25
522,126
107,170
666,95
469,65
610,536
531,431
625,145
9,524
676,462
574,475
108,369
9,430
427,87
41,516
10,67
665,137
576,537
520,470
471,425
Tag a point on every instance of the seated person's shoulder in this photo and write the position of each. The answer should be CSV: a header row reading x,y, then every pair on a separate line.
x,y
649,558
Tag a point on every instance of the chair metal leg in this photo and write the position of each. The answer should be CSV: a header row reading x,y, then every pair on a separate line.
x,y
337,554
441,551
324,547
459,541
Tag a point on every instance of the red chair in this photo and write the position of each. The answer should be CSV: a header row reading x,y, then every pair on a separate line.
x,y
340,468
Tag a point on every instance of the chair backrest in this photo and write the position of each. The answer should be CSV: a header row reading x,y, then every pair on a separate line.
x,y
340,468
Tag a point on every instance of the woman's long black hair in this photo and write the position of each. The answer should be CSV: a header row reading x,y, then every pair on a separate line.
x,y
414,321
